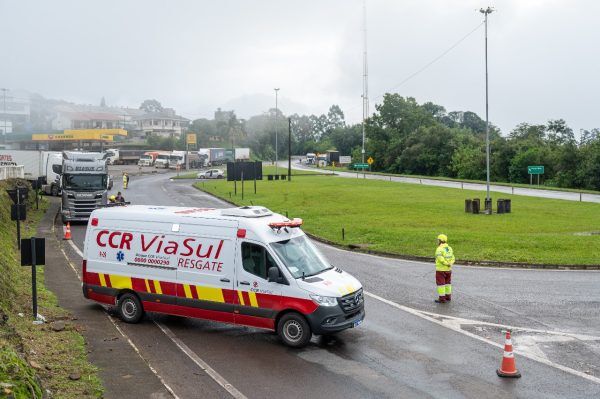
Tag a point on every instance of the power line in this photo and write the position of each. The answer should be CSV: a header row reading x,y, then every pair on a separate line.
x,y
409,77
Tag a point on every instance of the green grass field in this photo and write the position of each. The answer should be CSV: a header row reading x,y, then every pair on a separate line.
x,y
406,218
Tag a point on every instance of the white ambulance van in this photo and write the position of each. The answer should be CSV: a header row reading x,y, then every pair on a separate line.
x,y
246,266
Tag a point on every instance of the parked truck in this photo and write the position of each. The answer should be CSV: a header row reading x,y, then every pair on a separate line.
x,y
84,184
148,158
242,154
177,160
162,160
41,166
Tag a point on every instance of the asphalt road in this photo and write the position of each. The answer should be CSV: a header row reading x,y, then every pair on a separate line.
x,y
407,347
529,192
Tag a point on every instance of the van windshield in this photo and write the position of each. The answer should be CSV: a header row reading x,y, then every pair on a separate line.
x,y
301,257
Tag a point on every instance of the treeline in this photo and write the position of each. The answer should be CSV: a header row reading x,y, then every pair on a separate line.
x,y
406,137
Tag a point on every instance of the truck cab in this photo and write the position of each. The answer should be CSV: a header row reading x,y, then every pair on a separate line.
x,y
84,184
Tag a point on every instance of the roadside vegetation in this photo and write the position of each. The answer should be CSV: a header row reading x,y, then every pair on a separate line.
x,y
404,219
43,360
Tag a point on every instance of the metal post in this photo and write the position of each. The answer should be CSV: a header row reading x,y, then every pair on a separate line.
x,y
33,279
289,149
365,95
187,155
487,11
276,115
254,178
242,185
18,218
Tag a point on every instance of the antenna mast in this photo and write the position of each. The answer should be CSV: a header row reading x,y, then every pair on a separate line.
x,y
365,95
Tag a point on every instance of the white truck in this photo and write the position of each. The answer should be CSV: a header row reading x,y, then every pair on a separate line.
x,y
112,156
37,164
162,160
177,160
242,154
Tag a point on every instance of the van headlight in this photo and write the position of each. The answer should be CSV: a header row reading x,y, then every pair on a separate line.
x,y
324,300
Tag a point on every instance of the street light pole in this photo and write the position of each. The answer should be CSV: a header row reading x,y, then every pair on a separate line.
x,y
276,114
365,95
486,12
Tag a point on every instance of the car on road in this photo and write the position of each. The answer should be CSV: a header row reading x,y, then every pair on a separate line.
x,y
211,174
245,266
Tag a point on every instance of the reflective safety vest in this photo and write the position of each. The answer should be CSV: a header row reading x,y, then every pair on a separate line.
x,y
444,258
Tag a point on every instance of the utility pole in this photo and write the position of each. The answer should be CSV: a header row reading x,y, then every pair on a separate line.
x,y
365,95
276,114
289,149
486,12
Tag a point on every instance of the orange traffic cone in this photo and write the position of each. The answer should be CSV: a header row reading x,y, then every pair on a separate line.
x,y
68,232
508,368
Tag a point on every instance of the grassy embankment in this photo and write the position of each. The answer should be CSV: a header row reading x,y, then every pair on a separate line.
x,y
405,219
36,358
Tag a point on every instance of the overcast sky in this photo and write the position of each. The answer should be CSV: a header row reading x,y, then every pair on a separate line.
x,y
196,56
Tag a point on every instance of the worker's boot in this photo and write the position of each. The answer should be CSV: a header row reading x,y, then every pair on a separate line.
x,y
441,299
448,299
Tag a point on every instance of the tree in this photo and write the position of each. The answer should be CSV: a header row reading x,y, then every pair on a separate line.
x,y
150,106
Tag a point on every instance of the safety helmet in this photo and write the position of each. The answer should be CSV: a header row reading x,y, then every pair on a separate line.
x,y
443,237
112,198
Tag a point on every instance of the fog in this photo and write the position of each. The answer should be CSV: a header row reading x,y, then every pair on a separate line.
x,y
196,56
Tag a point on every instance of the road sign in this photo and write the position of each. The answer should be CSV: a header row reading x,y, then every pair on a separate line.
x,y
361,166
370,161
33,252
191,138
535,170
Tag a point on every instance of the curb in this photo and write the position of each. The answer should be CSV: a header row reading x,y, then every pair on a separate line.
x,y
466,262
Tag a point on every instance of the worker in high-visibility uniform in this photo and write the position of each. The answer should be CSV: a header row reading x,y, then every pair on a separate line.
x,y
125,180
444,259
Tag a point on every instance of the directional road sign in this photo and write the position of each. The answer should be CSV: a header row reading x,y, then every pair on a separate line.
x,y
535,170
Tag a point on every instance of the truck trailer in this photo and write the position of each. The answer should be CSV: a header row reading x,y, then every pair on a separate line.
x,y
41,166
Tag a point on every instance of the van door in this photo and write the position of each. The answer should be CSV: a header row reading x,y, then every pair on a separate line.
x,y
257,299
205,276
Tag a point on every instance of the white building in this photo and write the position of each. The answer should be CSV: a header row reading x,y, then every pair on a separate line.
x,y
5,126
165,123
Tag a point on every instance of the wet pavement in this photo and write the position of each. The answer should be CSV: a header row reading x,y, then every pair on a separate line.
x,y
407,347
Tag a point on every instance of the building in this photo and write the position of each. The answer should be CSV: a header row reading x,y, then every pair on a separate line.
x,y
74,116
15,110
165,123
5,126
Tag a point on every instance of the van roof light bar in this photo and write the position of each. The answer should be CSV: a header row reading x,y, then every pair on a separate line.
x,y
296,222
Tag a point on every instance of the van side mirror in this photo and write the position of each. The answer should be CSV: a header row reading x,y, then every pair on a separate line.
x,y
274,275
57,169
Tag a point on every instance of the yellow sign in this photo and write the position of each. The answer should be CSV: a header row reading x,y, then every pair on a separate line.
x,y
191,138
82,134
108,132
370,161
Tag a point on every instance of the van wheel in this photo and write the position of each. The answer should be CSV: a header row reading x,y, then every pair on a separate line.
x,y
293,330
130,308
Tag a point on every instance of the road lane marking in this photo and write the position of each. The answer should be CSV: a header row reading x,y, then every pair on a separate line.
x,y
75,248
432,317
152,369
218,378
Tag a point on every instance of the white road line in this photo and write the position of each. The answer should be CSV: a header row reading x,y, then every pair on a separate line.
x,y
455,327
201,363
466,267
75,248
162,381
183,347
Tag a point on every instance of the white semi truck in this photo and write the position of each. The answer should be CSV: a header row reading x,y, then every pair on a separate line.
x,y
37,164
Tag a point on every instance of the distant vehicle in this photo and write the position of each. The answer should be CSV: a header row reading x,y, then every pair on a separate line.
x,y
162,160
148,158
84,184
43,165
110,182
242,154
177,159
112,156
310,158
211,174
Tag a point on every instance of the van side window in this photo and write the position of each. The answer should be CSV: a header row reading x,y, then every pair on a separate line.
x,y
256,260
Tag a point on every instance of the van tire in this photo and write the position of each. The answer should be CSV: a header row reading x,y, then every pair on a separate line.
x,y
294,331
130,308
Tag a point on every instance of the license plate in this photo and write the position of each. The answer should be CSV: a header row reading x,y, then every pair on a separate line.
x,y
357,323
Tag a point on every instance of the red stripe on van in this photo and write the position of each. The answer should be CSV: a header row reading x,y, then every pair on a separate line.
x,y
168,288
138,284
107,279
229,296
246,298
91,278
